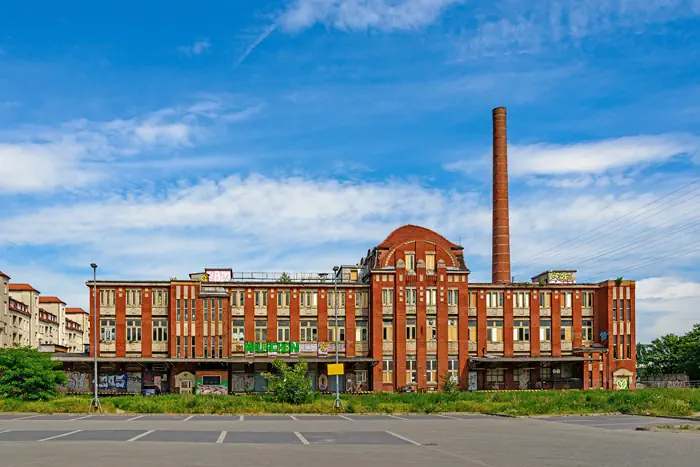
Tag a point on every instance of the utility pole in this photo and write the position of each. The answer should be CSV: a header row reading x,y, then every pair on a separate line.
x,y
95,404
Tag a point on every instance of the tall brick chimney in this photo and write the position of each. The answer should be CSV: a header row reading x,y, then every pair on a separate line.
x,y
500,267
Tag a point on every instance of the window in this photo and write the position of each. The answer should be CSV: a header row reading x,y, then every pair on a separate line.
x,y
331,300
545,299
361,334
283,299
430,261
283,331
309,331
453,368
431,371
177,346
353,275
221,346
521,330
107,330
431,296
495,378
238,331
615,356
587,299
411,373
160,330
261,298
334,331
410,261
211,380
494,331
177,309
238,298
107,297
260,330
133,330
453,297
361,299
133,297
185,306
494,299
546,330
566,326
410,296
472,300
587,330
308,299
431,329
471,336
566,299
388,370
388,330
206,347
159,298
411,329
221,310
628,316
387,297
452,330
614,303
521,299
628,342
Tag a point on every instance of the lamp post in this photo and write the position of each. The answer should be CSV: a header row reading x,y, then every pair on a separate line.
x,y
335,302
96,401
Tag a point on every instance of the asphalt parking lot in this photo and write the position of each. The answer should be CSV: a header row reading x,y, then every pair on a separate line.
x,y
344,441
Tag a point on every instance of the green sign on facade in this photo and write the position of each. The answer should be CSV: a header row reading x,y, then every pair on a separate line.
x,y
271,348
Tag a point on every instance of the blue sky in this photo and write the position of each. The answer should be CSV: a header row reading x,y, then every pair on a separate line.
x,y
291,135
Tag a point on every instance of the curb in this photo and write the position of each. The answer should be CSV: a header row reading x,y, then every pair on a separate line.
x,y
675,417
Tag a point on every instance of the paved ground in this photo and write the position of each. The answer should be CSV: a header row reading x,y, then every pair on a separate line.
x,y
348,440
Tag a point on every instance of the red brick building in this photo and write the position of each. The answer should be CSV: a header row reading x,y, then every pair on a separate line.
x,y
407,316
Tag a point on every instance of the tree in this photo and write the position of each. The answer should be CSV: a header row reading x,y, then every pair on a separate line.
x,y
449,383
26,373
290,385
285,279
671,354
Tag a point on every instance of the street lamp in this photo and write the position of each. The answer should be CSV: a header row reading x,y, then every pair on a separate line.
x,y
95,404
335,302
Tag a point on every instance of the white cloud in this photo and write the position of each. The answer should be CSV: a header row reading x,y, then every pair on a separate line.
x,y
196,48
666,305
74,154
592,157
529,27
386,15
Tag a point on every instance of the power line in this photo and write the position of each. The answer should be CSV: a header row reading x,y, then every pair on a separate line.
x,y
585,234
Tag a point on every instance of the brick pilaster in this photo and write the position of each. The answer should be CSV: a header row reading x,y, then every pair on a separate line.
x,y
535,323
349,322
120,311
272,315
508,324
147,323
323,314
375,323
442,322
556,324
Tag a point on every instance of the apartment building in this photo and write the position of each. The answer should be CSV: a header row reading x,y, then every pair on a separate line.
x,y
31,320
407,316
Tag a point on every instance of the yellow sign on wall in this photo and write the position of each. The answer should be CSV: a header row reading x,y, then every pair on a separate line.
x,y
335,369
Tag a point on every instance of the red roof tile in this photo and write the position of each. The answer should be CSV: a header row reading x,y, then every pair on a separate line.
x,y
49,299
22,288
76,310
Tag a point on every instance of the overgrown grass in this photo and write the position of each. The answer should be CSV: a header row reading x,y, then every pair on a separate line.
x,y
679,402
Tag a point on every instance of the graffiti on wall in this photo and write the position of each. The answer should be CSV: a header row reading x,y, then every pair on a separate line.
x,y
211,389
77,381
271,348
242,383
562,277
112,381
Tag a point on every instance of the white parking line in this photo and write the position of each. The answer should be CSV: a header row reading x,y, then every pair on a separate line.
x,y
25,418
447,416
140,436
404,438
346,418
395,416
221,438
135,418
294,418
80,418
301,438
189,418
60,436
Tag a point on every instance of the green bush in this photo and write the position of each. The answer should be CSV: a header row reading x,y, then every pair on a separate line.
x,y
449,384
26,373
291,385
